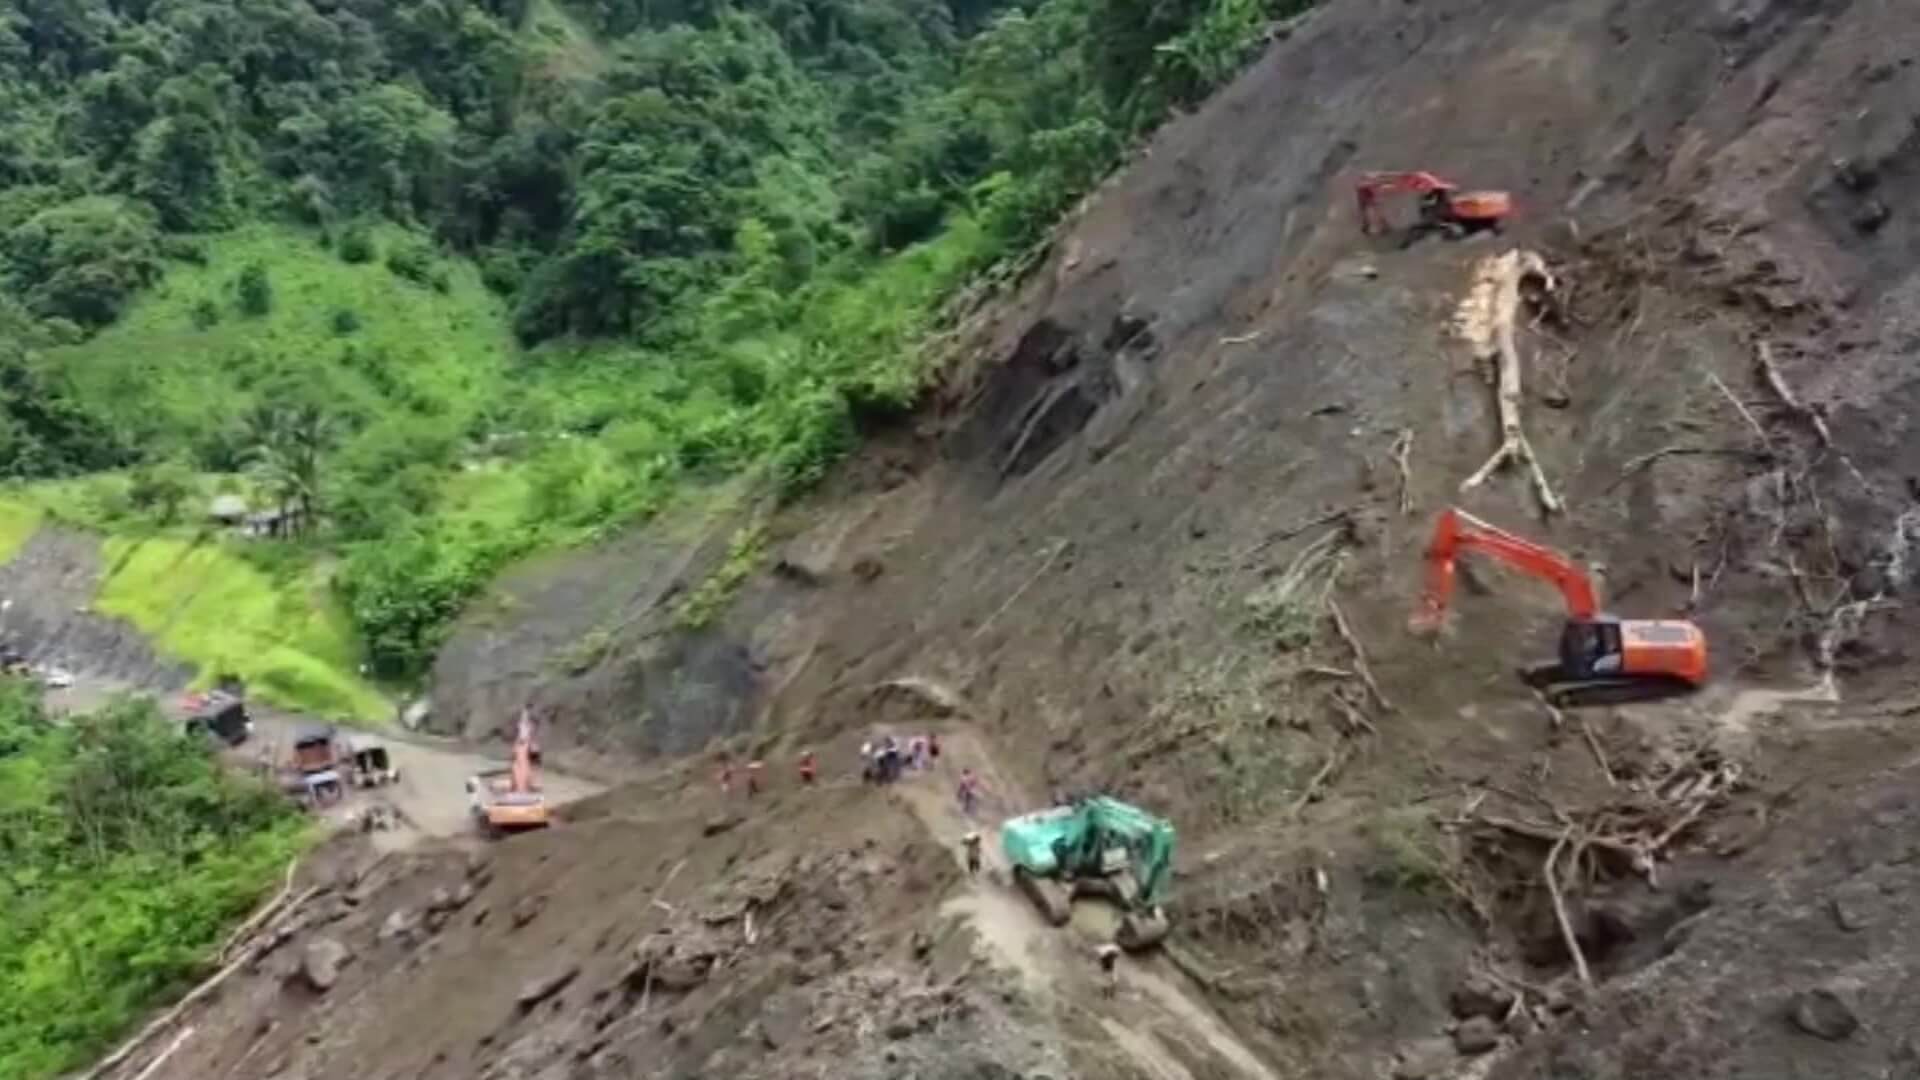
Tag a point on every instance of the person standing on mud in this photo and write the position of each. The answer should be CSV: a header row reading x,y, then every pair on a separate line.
x,y
969,792
867,772
933,749
1109,955
971,842
806,767
753,778
726,776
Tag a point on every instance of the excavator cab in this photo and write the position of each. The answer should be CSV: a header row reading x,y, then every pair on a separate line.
x,y
1590,649
1609,661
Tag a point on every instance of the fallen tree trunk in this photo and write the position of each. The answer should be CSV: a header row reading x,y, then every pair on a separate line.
x,y
1486,319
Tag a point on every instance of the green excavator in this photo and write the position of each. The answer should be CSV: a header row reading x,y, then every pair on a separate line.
x,y
1095,846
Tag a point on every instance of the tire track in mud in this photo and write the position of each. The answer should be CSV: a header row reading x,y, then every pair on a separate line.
x,y
1046,958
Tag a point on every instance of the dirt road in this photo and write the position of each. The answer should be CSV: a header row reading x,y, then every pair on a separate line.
x,y
1152,1014
429,799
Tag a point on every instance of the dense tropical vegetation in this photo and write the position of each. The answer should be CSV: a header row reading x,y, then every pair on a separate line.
x,y
125,852
461,277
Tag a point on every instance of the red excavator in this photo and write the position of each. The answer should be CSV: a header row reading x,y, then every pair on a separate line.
x,y
1603,660
1444,207
513,802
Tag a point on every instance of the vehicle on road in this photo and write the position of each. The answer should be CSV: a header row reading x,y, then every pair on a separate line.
x,y
371,761
316,748
508,800
218,715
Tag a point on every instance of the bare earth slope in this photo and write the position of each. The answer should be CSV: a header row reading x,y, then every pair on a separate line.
x,y
1174,480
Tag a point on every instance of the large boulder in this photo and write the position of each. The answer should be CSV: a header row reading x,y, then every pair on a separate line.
x,y
321,963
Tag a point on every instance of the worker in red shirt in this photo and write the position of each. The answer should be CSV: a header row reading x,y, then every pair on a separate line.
x,y
806,767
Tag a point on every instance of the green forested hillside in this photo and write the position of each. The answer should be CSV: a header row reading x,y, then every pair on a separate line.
x,y
463,277
124,853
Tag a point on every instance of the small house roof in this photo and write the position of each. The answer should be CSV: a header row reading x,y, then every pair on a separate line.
x,y
227,507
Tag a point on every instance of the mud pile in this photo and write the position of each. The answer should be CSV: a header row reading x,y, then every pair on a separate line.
x,y
1159,532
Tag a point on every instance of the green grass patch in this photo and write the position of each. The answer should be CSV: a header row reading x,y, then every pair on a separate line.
x,y
706,602
188,359
19,520
282,633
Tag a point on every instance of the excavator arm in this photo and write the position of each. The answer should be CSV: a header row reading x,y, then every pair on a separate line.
x,y
1458,531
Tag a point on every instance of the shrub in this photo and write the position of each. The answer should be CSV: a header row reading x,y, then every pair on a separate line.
x,y
346,321
256,290
159,489
356,245
412,261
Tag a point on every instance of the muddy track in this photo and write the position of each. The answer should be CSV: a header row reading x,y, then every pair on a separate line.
x,y
1154,1006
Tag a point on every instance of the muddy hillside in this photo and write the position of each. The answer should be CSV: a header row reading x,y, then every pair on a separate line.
x,y
1159,533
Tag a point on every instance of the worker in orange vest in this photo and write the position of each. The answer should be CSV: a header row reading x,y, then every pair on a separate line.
x,y
806,767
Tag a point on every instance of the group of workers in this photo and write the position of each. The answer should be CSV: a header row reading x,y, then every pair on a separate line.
x,y
809,770
883,761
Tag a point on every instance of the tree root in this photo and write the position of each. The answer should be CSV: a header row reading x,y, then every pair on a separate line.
x,y
1402,452
1360,665
1552,876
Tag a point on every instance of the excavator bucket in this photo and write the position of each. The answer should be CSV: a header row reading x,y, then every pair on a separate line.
x,y
1143,930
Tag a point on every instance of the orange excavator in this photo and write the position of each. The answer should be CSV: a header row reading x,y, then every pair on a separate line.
x,y
511,802
1603,660
1443,206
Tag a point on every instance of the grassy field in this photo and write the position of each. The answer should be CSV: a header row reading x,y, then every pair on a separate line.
x,y
18,521
186,361
283,634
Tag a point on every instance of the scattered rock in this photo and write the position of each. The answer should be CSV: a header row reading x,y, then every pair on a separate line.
x,y
1871,216
922,944
1476,1035
321,963
720,823
899,1029
1849,913
1480,996
441,900
400,926
479,866
866,568
1823,1012
1424,1060
528,909
538,990
1521,1024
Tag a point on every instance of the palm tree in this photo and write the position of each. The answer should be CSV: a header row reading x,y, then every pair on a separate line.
x,y
289,439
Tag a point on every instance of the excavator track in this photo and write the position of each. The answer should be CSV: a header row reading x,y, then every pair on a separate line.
x,y
1623,691
1053,900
